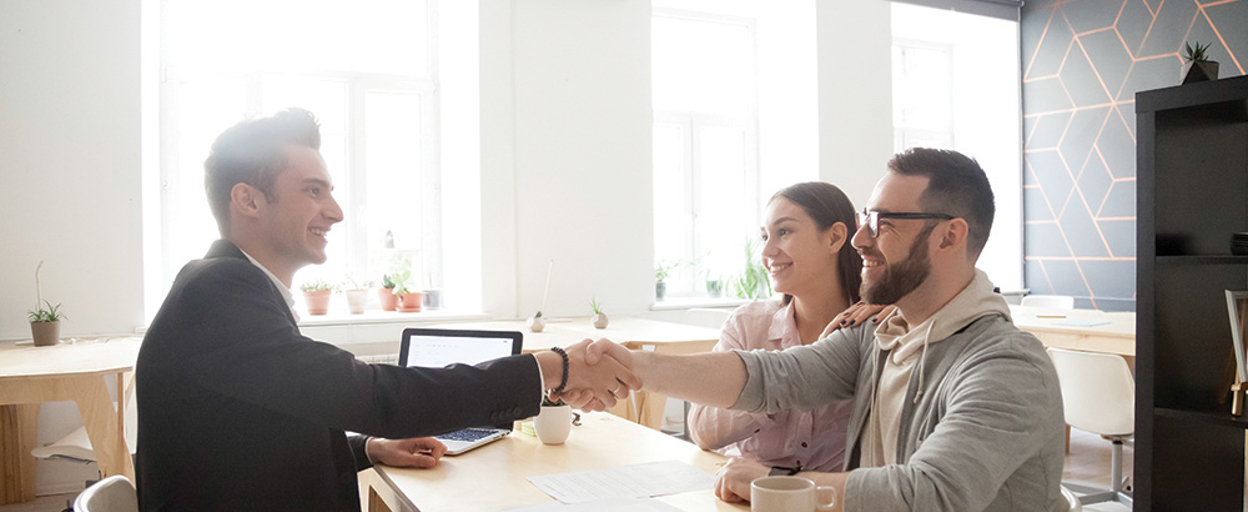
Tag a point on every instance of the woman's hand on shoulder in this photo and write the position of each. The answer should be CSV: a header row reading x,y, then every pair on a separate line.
x,y
857,314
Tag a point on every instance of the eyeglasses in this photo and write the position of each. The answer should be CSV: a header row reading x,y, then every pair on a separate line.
x,y
871,219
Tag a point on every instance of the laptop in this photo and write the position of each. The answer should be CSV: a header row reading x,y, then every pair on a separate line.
x,y
437,348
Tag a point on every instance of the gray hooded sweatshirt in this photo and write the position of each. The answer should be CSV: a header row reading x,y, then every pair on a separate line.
x,y
986,432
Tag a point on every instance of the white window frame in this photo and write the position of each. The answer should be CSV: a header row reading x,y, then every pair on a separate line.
x,y
902,132
357,86
692,125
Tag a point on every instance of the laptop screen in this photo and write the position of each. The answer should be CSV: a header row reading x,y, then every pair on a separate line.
x,y
436,348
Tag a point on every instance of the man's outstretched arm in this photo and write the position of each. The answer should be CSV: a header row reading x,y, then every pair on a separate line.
x,y
710,378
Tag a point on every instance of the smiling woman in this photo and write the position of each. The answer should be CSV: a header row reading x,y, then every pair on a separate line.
x,y
807,253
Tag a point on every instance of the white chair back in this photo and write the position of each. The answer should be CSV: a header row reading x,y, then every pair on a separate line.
x,y
1098,392
706,317
1049,301
112,494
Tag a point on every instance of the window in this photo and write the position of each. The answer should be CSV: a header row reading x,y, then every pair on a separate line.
x,y
366,69
705,145
956,86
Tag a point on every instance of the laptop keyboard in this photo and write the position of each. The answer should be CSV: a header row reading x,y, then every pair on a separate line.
x,y
468,434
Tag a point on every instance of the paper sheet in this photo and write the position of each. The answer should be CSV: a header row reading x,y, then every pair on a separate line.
x,y
607,505
635,481
1083,323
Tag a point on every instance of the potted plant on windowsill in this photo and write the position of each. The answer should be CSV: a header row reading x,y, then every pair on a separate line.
x,y
554,422
385,295
357,295
753,282
1198,67
410,301
45,319
316,294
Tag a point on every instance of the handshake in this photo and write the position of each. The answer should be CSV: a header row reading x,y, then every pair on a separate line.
x,y
599,373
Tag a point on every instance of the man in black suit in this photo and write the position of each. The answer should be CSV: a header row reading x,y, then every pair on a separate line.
x,y
239,411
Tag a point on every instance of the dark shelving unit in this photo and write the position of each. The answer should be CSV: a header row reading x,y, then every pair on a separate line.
x,y
1192,194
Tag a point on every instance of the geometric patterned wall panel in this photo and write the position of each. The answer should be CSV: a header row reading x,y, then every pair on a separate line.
x,y
1083,62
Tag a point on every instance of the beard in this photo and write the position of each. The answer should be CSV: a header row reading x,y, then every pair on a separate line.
x,y
903,277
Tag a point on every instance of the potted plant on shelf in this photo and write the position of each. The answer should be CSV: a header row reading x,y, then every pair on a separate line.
x,y
357,295
45,319
600,318
553,424
385,295
714,286
662,270
1198,67
410,301
316,294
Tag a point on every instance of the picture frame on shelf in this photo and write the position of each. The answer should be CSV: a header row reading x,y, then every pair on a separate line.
x,y
1237,311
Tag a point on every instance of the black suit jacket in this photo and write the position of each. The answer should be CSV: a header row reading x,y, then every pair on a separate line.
x,y
239,411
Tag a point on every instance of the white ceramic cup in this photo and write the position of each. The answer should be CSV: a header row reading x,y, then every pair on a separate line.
x,y
789,494
553,424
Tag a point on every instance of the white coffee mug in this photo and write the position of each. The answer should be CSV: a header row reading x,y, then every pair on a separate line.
x,y
553,424
790,494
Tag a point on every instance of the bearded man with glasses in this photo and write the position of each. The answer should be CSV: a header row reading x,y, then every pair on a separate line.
x,y
955,409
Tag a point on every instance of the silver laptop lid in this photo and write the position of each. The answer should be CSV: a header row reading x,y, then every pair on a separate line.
x,y
437,348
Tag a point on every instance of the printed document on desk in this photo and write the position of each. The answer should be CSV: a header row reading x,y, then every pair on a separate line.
x,y
607,505
635,481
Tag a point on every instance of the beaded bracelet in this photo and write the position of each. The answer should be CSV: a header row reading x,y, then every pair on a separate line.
x,y
562,383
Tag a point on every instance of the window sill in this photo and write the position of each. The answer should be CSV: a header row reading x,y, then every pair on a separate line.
x,y
337,319
678,303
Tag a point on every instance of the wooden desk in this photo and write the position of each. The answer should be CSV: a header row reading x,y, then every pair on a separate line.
x,y
492,478
1116,337
32,375
635,333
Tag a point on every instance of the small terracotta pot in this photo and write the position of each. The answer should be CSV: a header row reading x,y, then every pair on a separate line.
x,y
389,301
411,302
356,300
46,334
318,301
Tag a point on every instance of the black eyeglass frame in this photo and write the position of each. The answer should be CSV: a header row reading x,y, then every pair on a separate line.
x,y
871,218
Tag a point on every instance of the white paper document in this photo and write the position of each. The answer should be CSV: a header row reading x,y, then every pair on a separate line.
x,y
607,505
635,481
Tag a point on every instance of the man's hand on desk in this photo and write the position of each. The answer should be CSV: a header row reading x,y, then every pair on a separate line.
x,y
414,452
590,386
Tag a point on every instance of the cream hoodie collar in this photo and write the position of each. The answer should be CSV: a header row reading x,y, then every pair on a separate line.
x,y
902,341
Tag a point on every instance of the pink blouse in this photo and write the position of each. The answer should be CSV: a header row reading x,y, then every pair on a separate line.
x,y
812,440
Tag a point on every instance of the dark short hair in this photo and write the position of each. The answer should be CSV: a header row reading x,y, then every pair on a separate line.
x,y
254,152
826,205
957,186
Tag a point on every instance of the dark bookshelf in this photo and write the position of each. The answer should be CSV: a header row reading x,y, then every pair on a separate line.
x,y
1192,194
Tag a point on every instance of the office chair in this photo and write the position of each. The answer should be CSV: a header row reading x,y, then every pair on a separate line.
x,y
1049,301
112,494
1098,396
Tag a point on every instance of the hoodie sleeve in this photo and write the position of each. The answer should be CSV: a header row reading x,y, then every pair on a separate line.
x,y
804,377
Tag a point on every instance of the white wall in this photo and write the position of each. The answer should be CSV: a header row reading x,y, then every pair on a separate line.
x,y
580,119
855,94
69,159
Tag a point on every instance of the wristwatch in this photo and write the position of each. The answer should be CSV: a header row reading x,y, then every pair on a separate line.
x,y
783,471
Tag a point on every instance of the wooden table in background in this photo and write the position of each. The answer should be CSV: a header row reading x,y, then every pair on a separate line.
x,y
79,371
636,333
1115,337
493,477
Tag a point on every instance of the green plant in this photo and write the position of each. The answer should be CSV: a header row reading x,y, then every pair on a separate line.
x,y
49,314
352,284
317,285
1198,53
595,305
400,280
753,282
41,313
387,281
663,269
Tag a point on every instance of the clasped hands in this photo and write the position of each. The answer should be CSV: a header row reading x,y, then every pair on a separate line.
x,y
600,373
